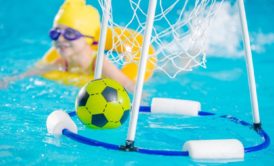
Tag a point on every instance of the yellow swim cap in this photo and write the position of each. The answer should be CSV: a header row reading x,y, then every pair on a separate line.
x,y
79,16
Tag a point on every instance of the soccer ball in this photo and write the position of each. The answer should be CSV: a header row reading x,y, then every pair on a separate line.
x,y
102,104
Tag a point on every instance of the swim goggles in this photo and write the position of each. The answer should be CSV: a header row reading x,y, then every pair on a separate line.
x,y
68,33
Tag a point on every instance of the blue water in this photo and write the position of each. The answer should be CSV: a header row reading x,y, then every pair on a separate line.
x,y
221,88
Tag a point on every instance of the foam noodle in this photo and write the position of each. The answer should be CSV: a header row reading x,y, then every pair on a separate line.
x,y
59,120
204,150
175,106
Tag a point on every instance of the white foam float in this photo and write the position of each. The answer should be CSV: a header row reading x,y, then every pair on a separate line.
x,y
175,106
59,120
208,150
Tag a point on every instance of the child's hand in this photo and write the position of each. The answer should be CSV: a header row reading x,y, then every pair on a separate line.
x,y
130,86
4,83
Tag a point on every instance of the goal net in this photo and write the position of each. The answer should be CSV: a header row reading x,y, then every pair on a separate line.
x,y
178,36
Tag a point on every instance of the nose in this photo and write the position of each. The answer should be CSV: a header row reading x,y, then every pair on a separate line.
x,y
61,38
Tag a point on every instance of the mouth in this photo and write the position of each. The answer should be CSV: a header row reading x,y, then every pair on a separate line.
x,y
62,46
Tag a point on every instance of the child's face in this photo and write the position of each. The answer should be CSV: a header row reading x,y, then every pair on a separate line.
x,y
67,41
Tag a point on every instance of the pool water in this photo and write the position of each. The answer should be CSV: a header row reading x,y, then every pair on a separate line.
x,y
221,88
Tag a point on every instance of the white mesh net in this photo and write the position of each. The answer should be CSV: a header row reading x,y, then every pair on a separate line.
x,y
178,37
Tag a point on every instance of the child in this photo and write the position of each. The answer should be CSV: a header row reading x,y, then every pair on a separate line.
x,y
73,32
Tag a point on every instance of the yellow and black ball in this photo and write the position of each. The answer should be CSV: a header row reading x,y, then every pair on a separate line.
x,y
103,104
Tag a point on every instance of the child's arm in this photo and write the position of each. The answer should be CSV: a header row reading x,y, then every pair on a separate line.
x,y
36,70
111,71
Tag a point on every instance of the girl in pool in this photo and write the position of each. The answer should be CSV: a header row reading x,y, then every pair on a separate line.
x,y
75,26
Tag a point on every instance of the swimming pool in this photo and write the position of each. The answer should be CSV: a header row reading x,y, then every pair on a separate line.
x,y
221,88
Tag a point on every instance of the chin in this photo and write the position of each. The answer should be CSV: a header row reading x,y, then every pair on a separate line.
x,y
65,52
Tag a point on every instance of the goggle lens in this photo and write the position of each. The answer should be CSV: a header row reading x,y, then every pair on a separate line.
x,y
68,33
